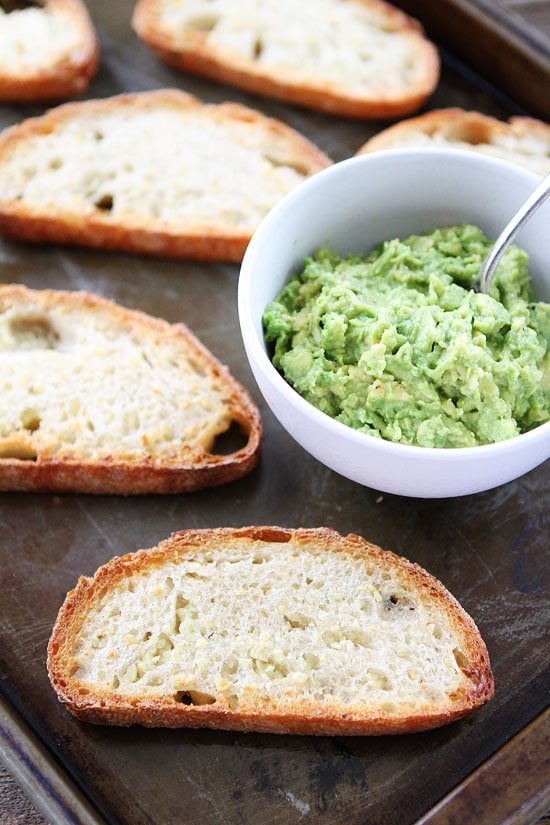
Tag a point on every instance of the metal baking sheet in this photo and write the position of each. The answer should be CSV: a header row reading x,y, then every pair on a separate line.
x,y
505,41
490,550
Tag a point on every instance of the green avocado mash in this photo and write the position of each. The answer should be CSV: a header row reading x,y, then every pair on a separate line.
x,y
396,344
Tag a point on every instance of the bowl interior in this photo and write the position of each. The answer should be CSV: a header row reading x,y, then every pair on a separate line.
x,y
359,202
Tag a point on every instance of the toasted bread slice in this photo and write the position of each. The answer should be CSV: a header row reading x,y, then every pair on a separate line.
x,y
48,51
96,398
267,629
158,173
355,58
524,141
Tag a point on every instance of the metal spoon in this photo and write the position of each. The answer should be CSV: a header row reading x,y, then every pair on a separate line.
x,y
483,281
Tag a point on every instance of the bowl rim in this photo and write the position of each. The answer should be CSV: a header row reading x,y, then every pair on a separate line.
x,y
257,351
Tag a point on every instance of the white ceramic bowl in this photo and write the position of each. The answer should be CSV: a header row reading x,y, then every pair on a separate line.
x,y
348,208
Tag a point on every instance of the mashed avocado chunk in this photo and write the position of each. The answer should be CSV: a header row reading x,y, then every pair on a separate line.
x,y
396,344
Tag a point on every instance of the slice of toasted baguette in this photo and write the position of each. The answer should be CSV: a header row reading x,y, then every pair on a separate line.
x,y
156,172
96,398
524,141
267,629
49,51
355,58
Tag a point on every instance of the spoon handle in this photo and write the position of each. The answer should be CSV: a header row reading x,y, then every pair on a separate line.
x,y
509,232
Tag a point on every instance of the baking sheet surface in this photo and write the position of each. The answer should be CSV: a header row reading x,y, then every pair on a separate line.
x,y
490,549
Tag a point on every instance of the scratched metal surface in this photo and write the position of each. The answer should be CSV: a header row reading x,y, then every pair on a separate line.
x,y
489,550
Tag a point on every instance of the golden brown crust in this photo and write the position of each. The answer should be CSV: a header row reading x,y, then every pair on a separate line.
x,y
146,235
301,717
457,124
65,78
191,53
189,468
523,125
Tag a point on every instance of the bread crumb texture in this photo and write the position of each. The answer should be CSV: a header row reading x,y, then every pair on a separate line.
x,y
36,38
48,50
523,141
286,631
352,49
173,163
349,43
84,378
258,625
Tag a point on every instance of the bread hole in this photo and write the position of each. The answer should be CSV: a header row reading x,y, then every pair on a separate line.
x,y
30,419
185,616
258,48
457,695
132,674
105,203
32,331
270,667
230,441
297,620
153,681
277,163
163,643
203,22
311,660
194,697
359,637
396,605
55,163
259,559
461,659
331,638
366,605
18,450
115,683
98,135
377,680
18,5
229,667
